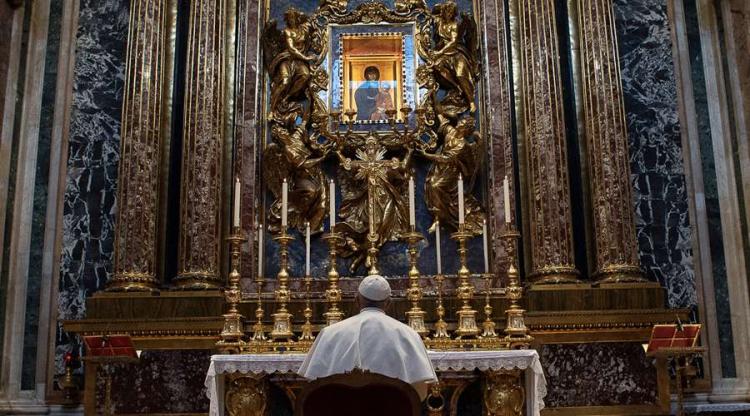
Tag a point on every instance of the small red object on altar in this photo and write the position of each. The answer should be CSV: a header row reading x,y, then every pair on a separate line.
x,y
110,346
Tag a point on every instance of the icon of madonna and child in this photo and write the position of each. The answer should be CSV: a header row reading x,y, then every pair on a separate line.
x,y
374,97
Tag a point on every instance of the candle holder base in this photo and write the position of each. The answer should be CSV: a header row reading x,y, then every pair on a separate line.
x,y
467,323
282,326
441,330
416,322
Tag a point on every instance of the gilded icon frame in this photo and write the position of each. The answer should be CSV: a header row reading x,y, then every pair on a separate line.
x,y
394,56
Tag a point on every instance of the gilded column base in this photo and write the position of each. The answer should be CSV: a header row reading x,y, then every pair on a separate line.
x,y
132,282
624,273
555,275
197,281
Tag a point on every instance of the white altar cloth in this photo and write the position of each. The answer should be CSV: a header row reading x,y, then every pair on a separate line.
x,y
536,386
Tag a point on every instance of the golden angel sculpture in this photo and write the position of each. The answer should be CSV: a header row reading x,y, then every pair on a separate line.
x,y
298,159
455,62
288,58
293,154
458,156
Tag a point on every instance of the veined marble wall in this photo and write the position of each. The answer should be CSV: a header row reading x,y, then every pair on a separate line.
x,y
658,173
89,202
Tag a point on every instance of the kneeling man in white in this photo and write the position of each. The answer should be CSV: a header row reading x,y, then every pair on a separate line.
x,y
372,341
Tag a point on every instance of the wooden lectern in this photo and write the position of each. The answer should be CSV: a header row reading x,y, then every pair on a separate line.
x,y
675,344
104,350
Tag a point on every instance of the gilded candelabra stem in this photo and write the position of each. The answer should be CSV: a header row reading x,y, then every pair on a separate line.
x,y
516,332
232,332
441,327
282,319
415,316
307,328
488,326
467,317
259,334
333,293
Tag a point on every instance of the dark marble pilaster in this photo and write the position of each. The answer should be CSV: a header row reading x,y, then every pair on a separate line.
x,y
93,154
604,374
656,162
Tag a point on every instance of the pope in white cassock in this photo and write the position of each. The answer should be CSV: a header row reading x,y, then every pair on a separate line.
x,y
373,341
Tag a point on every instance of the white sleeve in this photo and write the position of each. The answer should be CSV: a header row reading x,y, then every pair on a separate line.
x,y
304,369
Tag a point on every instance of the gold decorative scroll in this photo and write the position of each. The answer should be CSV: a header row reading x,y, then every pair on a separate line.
x,y
140,149
546,155
607,144
202,151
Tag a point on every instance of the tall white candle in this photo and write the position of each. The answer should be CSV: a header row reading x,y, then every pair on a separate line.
x,y
437,248
284,202
412,209
506,199
236,209
307,249
332,203
486,248
260,250
460,199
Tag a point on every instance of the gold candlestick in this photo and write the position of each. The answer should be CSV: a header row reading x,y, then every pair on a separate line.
x,y
441,327
467,317
232,333
488,326
333,293
516,332
259,334
415,315
282,319
307,328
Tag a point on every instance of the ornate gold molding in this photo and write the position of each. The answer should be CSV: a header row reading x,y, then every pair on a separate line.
x,y
246,395
203,148
140,150
607,145
503,393
546,155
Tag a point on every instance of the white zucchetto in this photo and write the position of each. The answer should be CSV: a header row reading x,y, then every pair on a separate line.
x,y
375,288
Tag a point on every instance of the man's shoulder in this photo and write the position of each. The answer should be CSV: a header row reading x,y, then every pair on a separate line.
x,y
397,325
